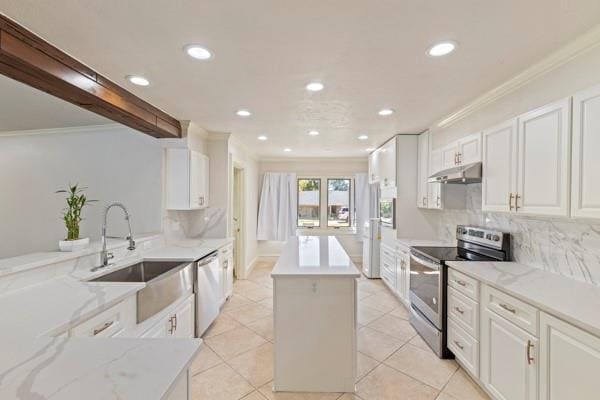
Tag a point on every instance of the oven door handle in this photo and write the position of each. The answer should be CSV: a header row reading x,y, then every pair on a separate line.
x,y
423,261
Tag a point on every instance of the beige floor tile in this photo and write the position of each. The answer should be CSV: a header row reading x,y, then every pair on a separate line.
x,y
385,383
232,343
263,327
267,391
265,281
255,365
376,344
205,359
219,383
365,364
462,387
249,312
394,326
350,396
258,294
422,365
221,324
418,341
367,315
400,312
235,301
268,303
368,286
444,396
361,295
254,396
381,302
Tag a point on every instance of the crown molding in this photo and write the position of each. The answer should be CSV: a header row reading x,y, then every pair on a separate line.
x,y
572,50
72,129
338,160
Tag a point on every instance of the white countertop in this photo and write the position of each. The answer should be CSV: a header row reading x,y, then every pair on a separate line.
x,y
35,365
426,242
314,256
575,302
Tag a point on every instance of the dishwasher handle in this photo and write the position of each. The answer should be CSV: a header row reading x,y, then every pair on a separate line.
x,y
208,259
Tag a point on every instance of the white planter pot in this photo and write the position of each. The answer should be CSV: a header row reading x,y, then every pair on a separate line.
x,y
74,245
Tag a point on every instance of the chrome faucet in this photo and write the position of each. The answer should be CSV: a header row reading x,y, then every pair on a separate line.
x,y
105,256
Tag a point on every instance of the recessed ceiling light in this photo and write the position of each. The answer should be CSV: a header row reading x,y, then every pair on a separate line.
x,y
369,149
287,149
138,80
243,113
441,49
315,86
385,111
198,52
313,133
262,137
363,137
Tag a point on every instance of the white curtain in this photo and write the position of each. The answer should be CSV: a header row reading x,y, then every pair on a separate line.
x,y
361,196
277,208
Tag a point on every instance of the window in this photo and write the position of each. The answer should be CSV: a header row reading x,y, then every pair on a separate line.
x,y
338,202
309,202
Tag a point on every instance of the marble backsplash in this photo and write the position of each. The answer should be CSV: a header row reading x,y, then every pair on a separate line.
x,y
565,246
207,223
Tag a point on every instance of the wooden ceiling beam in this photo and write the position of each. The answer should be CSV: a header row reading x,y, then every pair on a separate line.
x,y
31,60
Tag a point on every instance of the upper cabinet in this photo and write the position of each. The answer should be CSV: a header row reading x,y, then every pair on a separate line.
x,y
585,190
429,195
187,179
464,151
382,165
374,167
543,160
435,189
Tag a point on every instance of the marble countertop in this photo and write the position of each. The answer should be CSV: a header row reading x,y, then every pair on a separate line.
x,y
314,256
35,365
426,242
575,302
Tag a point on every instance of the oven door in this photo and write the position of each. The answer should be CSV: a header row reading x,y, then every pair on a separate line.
x,y
426,288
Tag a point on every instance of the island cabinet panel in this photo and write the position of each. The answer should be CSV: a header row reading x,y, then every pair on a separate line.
x,y
315,333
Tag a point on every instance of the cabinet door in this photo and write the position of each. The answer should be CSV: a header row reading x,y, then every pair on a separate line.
x,y
228,277
544,153
423,170
198,180
569,361
160,330
469,149
499,171
184,320
449,156
436,200
509,362
585,190
374,166
387,163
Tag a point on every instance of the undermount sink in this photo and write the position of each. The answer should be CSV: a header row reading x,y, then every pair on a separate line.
x,y
166,282
144,271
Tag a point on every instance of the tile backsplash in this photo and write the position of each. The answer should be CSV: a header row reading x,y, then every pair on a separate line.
x,y
564,246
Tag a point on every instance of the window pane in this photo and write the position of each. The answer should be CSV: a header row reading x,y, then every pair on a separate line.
x,y
338,202
309,202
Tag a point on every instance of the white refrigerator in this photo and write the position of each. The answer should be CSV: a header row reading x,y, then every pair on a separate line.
x,y
371,240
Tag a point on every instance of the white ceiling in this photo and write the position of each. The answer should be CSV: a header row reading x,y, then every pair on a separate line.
x,y
369,54
25,108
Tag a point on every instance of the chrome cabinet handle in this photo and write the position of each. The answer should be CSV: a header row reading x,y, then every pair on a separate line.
x,y
507,308
517,197
530,359
459,158
511,196
461,283
459,310
103,327
460,346
175,318
439,202
172,328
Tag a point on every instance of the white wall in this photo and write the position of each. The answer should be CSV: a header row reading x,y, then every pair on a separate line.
x,y
306,167
114,162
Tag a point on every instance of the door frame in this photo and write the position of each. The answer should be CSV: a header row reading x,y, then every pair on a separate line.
x,y
239,192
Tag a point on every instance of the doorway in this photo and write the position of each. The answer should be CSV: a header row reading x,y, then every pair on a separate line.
x,y
238,221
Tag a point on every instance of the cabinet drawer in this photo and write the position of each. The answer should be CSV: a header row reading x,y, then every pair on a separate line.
x,y
464,347
464,312
226,252
389,278
521,314
111,322
464,284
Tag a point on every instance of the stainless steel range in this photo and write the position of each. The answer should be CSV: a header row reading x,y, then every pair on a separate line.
x,y
428,278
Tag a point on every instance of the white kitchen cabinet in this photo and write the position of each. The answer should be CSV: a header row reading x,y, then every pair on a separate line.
x,y
403,274
226,261
543,160
585,190
387,264
387,164
177,323
423,171
499,170
115,321
449,156
509,359
569,361
181,388
435,192
374,168
469,149
187,181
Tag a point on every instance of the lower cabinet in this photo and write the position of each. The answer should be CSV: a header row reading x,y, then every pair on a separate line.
x,y
509,362
226,262
569,361
179,323
403,274
395,270
116,321
181,388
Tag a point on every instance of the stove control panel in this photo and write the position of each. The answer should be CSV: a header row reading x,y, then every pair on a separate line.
x,y
487,237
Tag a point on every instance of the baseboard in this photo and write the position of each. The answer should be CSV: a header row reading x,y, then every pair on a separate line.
x,y
249,268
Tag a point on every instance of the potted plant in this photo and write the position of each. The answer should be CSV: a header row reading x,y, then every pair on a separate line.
x,y
76,200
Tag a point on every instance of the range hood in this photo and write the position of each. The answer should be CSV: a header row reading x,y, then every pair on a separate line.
x,y
464,174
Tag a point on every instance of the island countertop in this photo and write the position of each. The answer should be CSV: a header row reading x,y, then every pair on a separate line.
x,y
314,256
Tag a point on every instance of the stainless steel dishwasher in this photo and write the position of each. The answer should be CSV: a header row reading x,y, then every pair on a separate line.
x,y
208,290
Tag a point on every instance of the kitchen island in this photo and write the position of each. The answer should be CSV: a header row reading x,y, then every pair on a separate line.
x,y
315,305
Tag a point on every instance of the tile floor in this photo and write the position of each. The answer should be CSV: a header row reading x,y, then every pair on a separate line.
x,y
393,362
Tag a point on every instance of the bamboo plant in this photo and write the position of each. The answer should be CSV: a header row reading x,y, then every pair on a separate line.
x,y
76,200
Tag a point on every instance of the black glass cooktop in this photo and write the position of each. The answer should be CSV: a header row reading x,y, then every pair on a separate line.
x,y
441,254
